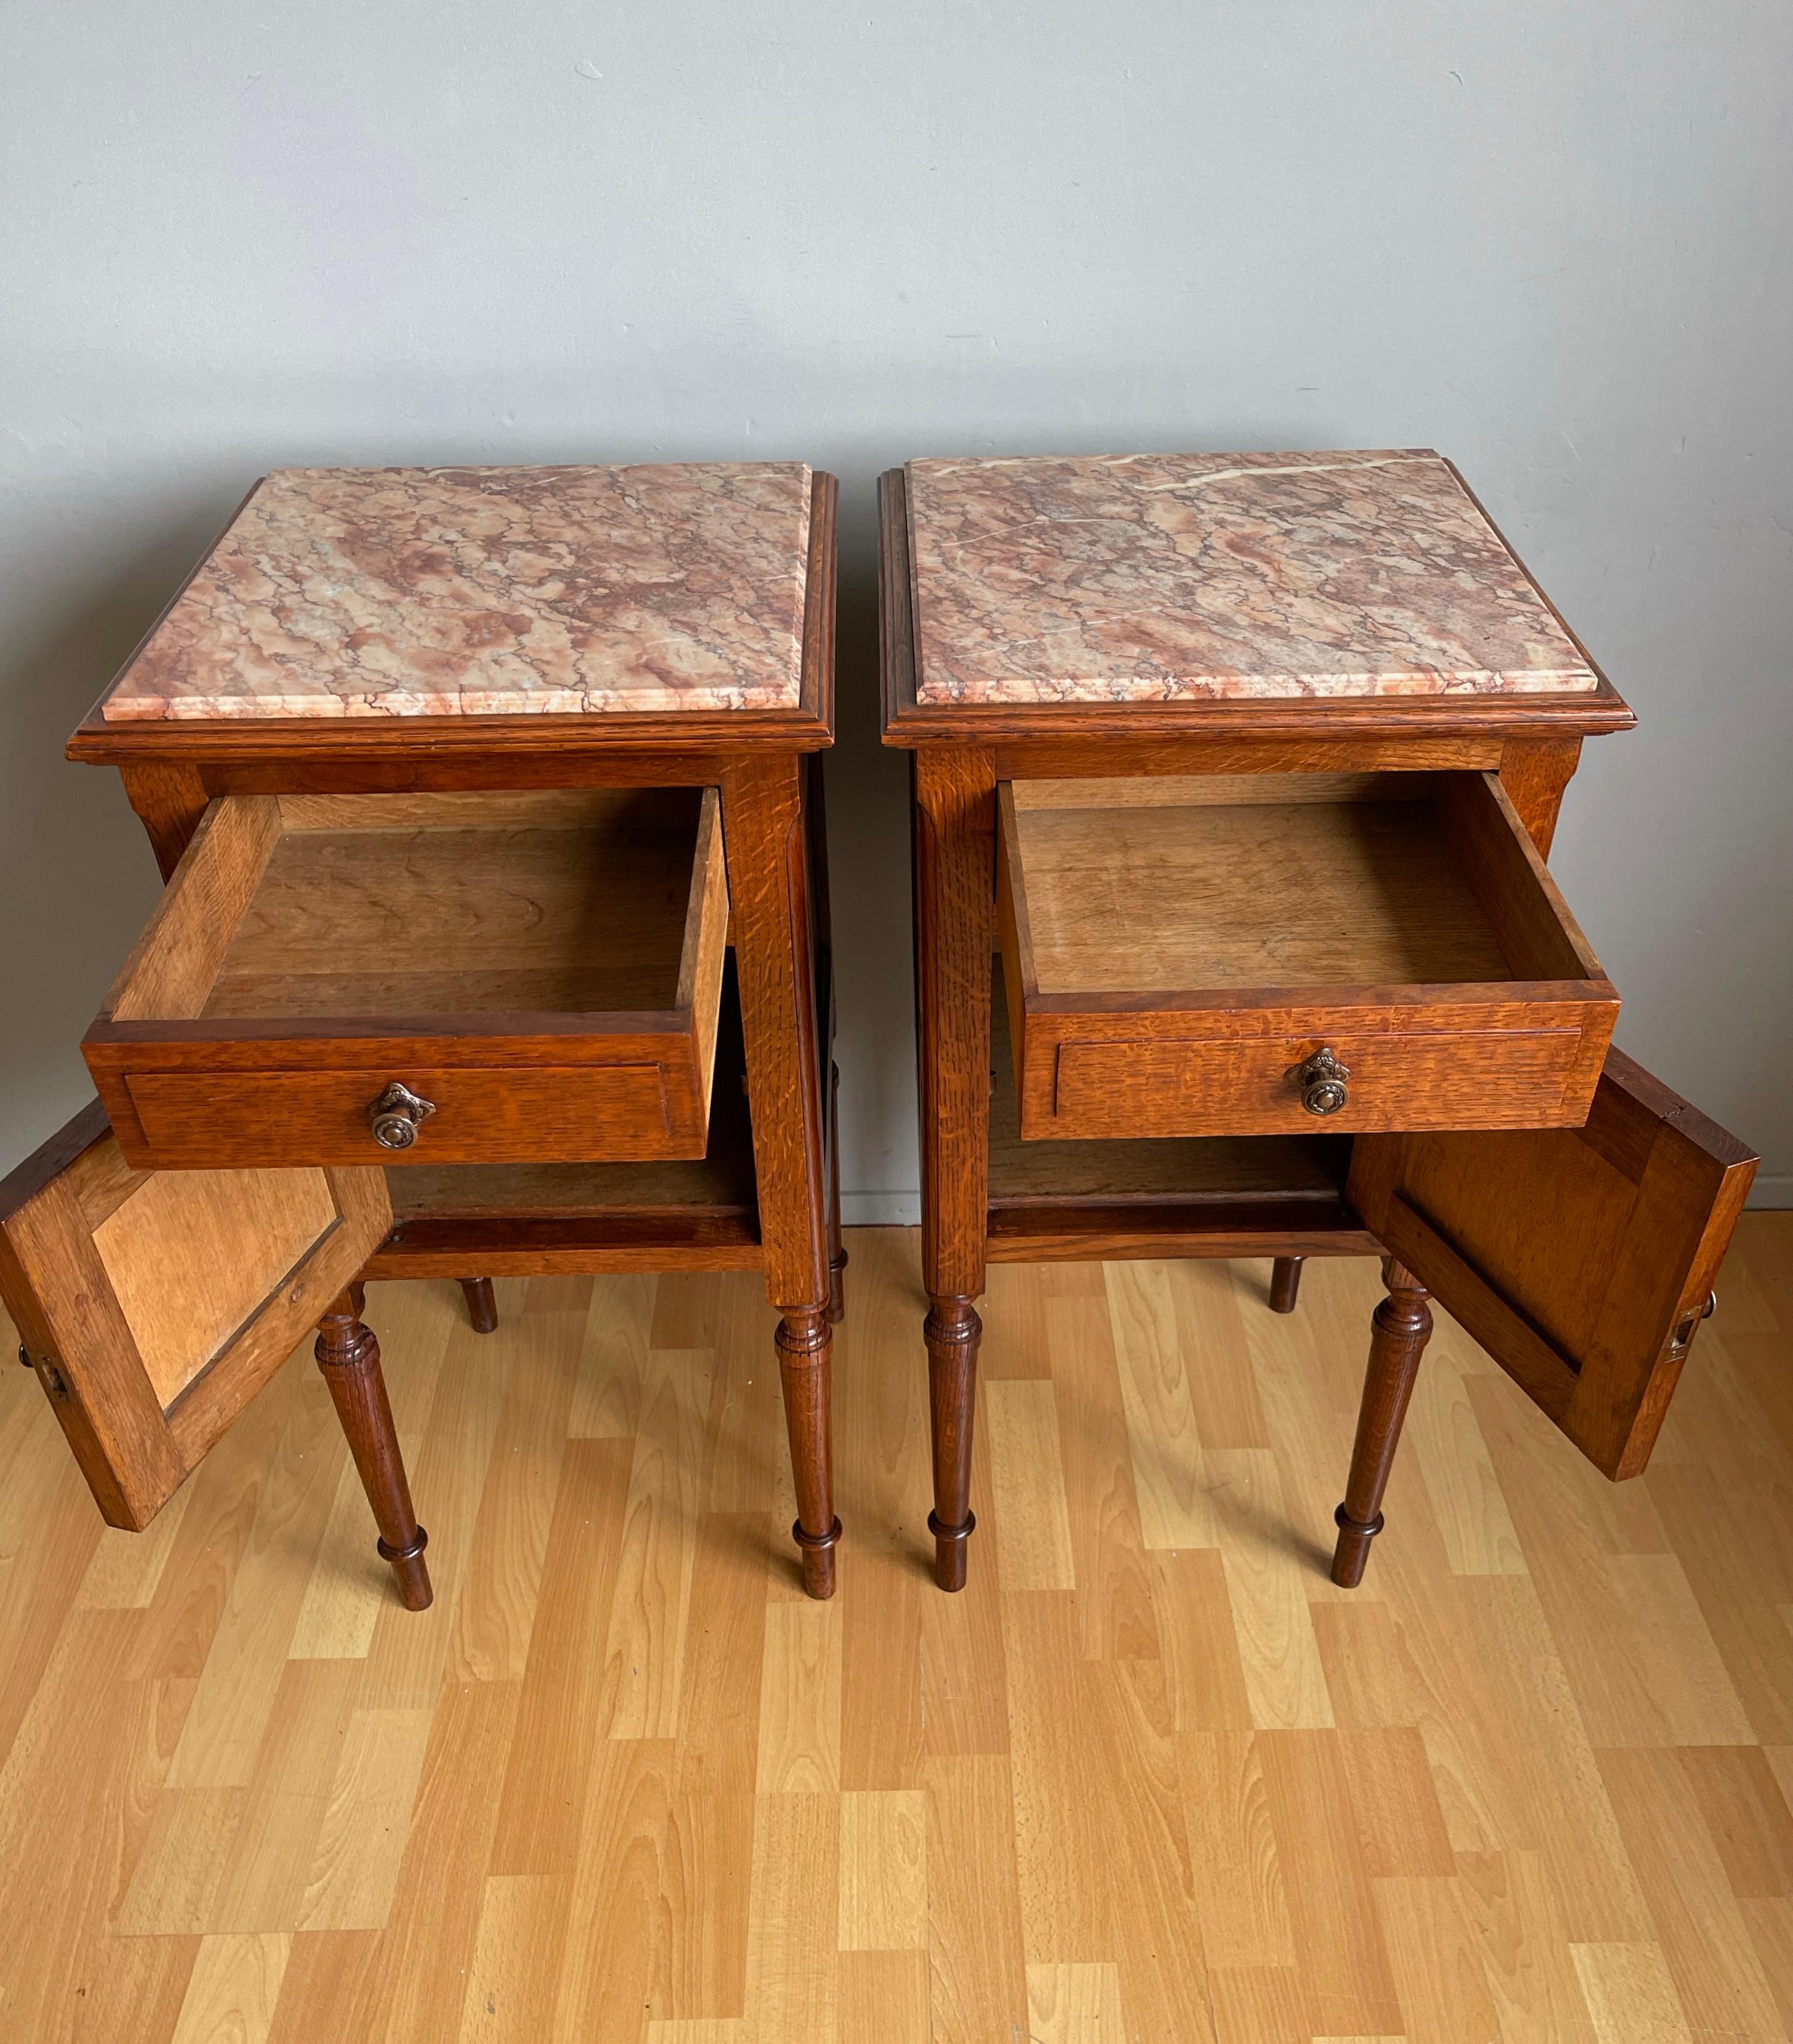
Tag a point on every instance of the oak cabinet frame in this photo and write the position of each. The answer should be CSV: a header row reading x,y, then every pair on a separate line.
x,y
1161,1141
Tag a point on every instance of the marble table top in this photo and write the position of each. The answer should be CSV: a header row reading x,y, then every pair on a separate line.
x,y
406,592
1169,578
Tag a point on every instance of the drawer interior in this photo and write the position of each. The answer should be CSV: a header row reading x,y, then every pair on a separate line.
x,y
572,902
1222,883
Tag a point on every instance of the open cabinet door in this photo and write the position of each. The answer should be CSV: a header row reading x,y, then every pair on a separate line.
x,y
154,1305
1582,1259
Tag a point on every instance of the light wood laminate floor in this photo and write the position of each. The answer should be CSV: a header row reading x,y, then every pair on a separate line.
x,y
1151,1776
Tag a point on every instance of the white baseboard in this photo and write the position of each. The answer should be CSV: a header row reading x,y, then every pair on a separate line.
x,y
1776,1189
880,1209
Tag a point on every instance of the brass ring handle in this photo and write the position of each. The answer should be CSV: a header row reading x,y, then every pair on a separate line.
x,y
1322,1079
395,1116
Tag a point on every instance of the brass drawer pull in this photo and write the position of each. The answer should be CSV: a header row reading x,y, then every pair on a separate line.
x,y
1321,1080
395,1116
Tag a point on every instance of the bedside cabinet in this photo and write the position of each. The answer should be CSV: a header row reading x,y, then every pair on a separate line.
x,y
494,941
1235,778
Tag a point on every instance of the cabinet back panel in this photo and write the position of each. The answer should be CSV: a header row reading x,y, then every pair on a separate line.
x,y
579,913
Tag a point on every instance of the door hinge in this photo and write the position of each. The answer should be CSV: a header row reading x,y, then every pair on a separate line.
x,y
1682,1340
48,1374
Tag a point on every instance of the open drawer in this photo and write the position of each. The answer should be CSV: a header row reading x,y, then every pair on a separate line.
x,y
428,979
1222,954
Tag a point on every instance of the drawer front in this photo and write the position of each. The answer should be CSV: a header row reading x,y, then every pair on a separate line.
x,y
219,1119
1242,1086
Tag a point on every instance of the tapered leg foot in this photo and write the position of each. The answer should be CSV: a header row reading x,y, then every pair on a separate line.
x,y
1350,1553
816,1552
951,1331
805,1343
1285,1283
483,1306
410,1571
349,1357
1400,1330
950,1544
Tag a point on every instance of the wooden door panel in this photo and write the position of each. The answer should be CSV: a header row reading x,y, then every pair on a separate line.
x,y
154,1305
1581,1258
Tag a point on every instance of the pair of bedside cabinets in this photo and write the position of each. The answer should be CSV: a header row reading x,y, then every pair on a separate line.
x,y
496,940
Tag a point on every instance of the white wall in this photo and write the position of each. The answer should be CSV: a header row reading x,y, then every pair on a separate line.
x,y
1552,240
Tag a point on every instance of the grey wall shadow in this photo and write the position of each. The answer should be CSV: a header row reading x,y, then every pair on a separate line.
x,y
80,877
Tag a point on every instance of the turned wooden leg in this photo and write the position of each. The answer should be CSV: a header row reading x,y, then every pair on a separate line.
x,y
483,1307
769,840
954,852
837,1255
805,1356
349,1357
1285,1283
952,1332
1399,1329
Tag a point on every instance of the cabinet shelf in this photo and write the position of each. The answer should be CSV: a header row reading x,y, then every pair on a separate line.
x,y
702,1213
1159,1196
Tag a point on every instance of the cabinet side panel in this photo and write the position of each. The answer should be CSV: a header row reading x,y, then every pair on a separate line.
x,y
171,970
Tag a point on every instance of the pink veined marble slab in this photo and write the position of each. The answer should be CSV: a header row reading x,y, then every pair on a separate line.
x,y
408,592
1165,577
